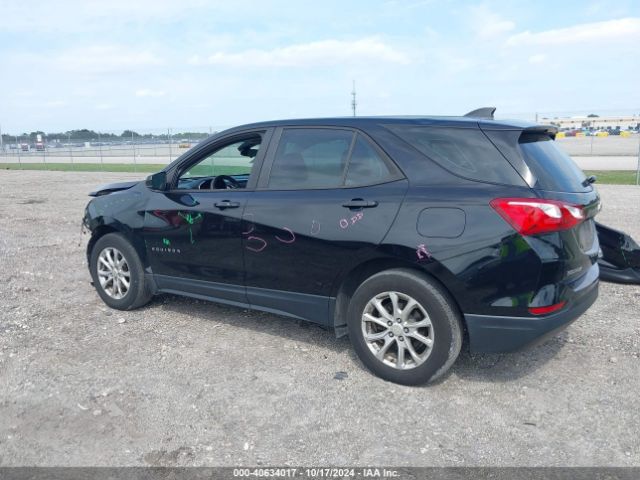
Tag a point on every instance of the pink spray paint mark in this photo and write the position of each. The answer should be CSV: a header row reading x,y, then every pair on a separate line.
x,y
422,252
293,236
261,248
252,226
344,223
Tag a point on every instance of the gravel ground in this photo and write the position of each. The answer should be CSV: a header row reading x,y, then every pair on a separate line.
x,y
183,382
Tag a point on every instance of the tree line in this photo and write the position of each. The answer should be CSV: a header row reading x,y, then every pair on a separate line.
x,y
91,135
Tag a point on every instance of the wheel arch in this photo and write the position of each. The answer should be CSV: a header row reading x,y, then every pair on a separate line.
x,y
96,234
106,226
355,277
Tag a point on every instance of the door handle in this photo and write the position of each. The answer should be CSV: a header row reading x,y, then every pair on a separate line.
x,y
227,204
360,203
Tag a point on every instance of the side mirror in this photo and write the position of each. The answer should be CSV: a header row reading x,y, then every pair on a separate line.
x,y
157,181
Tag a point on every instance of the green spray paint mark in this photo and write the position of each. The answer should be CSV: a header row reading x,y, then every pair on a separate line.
x,y
166,242
190,219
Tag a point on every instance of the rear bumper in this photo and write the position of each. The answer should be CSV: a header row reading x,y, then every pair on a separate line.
x,y
492,334
620,275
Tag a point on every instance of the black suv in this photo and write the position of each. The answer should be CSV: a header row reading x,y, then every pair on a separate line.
x,y
402,232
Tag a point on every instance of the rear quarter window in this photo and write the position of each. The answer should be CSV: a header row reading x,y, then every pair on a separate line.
x,y
466,152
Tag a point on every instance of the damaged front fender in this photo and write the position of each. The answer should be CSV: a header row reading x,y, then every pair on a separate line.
x,y
112,187
620,261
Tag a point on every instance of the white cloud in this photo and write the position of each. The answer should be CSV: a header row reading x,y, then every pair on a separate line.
x,y
55,103
94,54
21,92
147,92
537,58
105,59
313,54
488,24
627,29
91,15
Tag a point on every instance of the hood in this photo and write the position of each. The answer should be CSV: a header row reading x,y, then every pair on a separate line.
x,y
112,187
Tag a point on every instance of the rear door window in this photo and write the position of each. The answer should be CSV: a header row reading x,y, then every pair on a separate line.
x,y
310,158
466,152
553,169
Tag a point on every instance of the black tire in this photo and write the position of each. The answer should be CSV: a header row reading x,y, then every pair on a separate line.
x,y
436,302
138,293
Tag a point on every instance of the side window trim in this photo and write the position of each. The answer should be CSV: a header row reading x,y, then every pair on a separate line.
x,y
267,164
266,134
354,139
269,157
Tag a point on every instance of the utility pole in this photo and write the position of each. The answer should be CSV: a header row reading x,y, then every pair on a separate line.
x,y
353,99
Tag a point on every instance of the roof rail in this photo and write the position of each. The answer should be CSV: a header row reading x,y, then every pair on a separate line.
x,y
484,112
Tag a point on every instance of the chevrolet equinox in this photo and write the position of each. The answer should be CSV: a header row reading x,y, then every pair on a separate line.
x,y
406,233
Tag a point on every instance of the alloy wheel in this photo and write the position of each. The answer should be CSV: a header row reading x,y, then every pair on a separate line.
x,y
397,330
113,273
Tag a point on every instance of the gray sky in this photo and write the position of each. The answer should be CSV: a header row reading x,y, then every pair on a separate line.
x,y
152,64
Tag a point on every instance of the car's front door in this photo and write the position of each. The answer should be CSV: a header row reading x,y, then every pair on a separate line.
x,y
193,230
325,199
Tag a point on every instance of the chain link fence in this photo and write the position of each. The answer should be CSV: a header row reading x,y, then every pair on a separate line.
x,y
594,145
102,148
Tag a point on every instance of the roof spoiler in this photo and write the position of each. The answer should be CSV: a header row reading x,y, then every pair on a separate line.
x,y
543,130
484,112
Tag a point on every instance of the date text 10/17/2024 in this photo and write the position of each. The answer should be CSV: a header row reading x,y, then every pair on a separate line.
x,y
293,472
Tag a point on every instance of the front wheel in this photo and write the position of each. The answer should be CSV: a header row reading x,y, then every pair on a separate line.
x,y
404,327
118,274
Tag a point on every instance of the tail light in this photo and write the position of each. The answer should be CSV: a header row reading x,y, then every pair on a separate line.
x,y
529,216
548,309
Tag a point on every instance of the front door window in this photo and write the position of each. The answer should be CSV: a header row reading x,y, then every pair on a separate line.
x,y
228,167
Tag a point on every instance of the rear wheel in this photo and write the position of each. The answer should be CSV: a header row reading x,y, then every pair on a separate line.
x,y
117,273
404,327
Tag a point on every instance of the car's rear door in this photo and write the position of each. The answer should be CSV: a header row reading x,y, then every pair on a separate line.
x,y
326,198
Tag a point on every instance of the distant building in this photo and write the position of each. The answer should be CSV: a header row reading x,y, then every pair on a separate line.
x,y
624,122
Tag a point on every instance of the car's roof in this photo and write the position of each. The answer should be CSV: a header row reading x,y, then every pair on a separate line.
x,y
364,122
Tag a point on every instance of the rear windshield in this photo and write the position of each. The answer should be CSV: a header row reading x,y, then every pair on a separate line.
x,y
554,169
466,152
